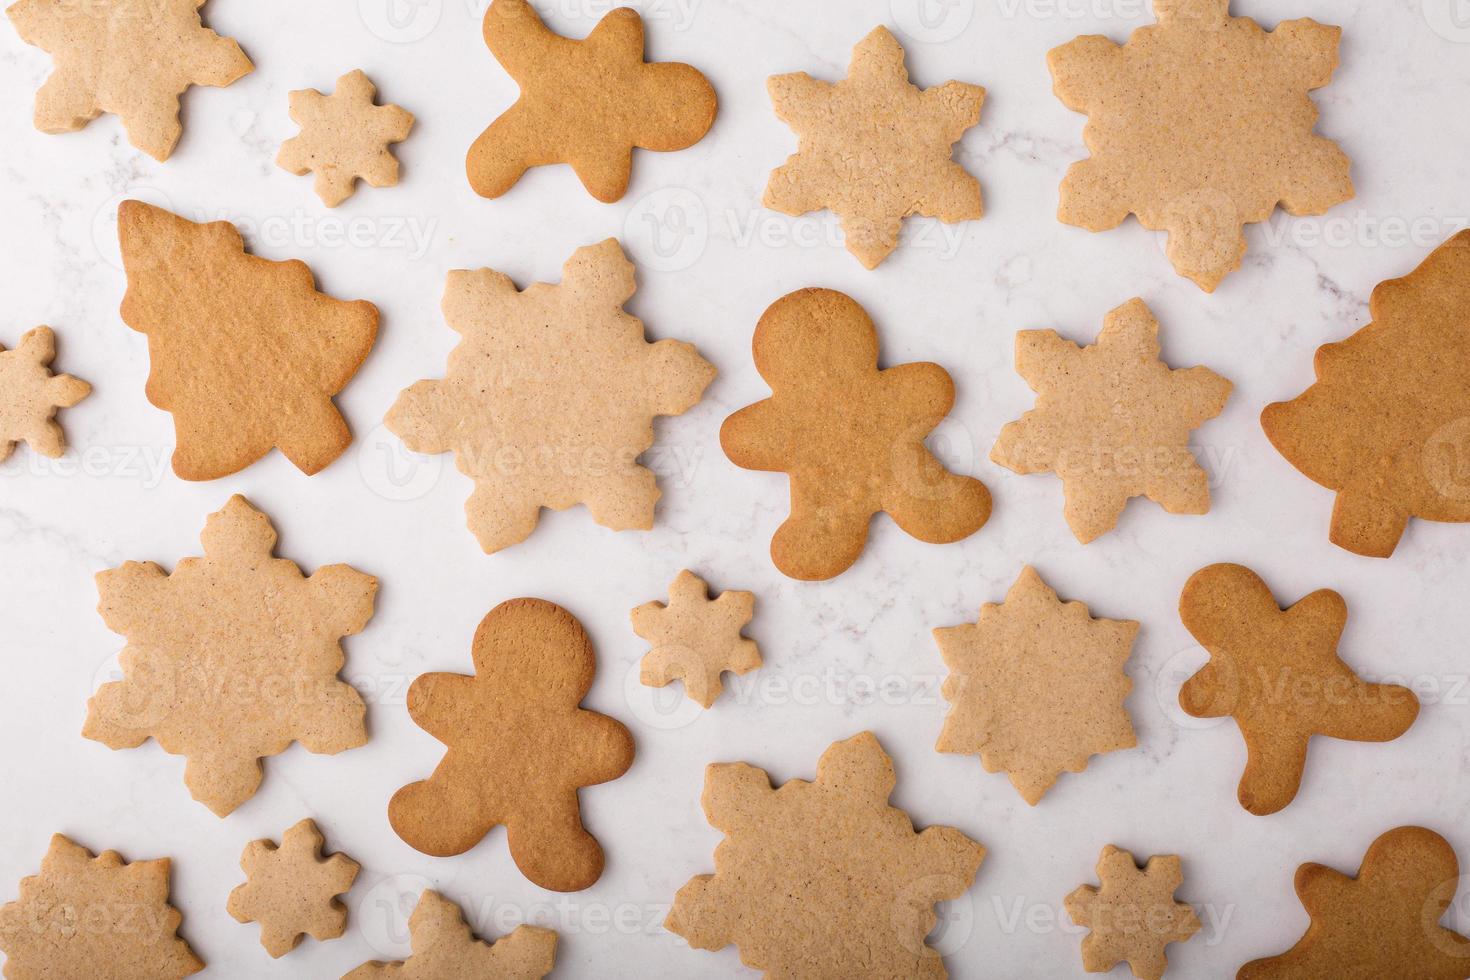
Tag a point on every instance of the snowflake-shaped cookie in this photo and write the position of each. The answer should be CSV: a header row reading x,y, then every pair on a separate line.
x,y
94,917
444,948
292,890
874,148
695,638
231,658
1037,686
1112,420
1200,124
1133,915
131,57
30,395
549,399
344,136
823,879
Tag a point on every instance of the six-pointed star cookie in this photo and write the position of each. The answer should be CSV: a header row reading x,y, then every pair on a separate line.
x,y
130,57
587,103
292,890
1132,916
30,395
1112,420
874,148
1199,125
696,638
1037,686
344,136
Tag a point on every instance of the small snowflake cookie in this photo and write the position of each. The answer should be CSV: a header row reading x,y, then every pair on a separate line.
x,y
292,889
30,395
1132,915
696,638
344,136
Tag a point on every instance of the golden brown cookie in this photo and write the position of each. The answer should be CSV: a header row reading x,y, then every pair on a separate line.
x,y
851,437
30,395
823,879
1384,923
1277,673
1112,420
519,748
1199,125
875,148
94,917
1387,420
231,658
1036,686
444,948
245,353
587,103
1132,916
344,136
129,57
549,399
292,890
696,638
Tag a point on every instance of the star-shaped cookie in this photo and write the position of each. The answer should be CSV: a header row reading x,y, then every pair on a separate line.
x,y
695,638
1112,420
130,57
587,103
1132,916
1036,686
344,136
1200,124
30,395
874,148
292,890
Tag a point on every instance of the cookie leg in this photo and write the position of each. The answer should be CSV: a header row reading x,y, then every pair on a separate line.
x,y
501,154
819,543
1273,771
941,507
551,847
1366,526
435,821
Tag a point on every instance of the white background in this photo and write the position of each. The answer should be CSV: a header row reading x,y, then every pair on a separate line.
x,y
1396,106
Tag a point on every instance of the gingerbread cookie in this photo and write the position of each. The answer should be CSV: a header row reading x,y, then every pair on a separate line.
x,y
550,396
1132,917
292,890
1386,421
344,136
1199,125
519,748
1112,420
875,148
129,57
231,658
1383,923
586,103
823,879
245,353
696,638
30,395
1036,686
444,948
850,436
1277,673
86,916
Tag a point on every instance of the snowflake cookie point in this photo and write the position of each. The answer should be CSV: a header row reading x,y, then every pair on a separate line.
x,y
874,175
1112,420
519,746
1131,914
1407,881
1277,672
587,103
1036,686
549,398
292,889
849,436
31,395
1170,144
344,136
232,657
445,946
134,58
131,929
695,638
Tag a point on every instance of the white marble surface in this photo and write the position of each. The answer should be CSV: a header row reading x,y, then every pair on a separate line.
x,y
955,295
